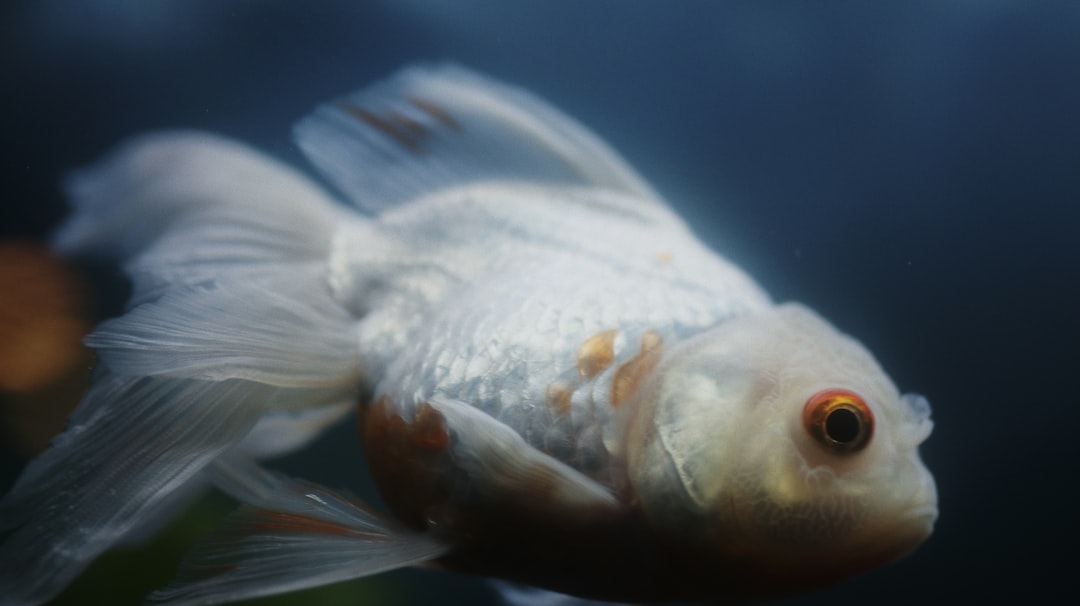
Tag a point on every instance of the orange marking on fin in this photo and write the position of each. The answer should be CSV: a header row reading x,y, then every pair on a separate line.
x,y
436,112
392,127
596,353
416,129
629,375
276,520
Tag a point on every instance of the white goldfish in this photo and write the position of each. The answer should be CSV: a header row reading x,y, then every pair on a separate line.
x,y
556,383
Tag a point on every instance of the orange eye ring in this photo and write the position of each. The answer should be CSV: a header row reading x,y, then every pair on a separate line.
x,y
839,420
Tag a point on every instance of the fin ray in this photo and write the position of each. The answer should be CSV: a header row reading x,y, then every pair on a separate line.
x,y
112,470
501,461
433,127
235,330
180,208
291,535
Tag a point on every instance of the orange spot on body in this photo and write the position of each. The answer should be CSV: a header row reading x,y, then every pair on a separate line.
x,y
596,353
631,373
558,398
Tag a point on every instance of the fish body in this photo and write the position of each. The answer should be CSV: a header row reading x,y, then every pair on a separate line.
x,y
536,331
555,383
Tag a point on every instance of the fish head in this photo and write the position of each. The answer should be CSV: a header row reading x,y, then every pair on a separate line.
x,y
778,444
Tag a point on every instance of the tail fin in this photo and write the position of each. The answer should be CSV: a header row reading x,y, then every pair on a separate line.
x,y
227,251
189,207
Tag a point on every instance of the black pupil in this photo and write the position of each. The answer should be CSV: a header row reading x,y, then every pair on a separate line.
x,y
842,425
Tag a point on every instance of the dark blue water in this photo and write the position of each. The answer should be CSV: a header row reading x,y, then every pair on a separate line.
x,y
910,170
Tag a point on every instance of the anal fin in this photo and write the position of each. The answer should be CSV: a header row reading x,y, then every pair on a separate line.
x,y
290,535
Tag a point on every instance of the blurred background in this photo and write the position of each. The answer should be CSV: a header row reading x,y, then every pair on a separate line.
x,y
910,170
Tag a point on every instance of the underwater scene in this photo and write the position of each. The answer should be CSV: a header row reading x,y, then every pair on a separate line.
x,y
538,303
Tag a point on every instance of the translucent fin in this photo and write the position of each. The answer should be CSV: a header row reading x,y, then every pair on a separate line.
x,y
433,127
279,432
167,399
130,446
172,182
170,508
500,461
292,535
185,207
243,331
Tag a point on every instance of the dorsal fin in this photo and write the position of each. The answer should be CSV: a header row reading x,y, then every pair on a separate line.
x,y
433,127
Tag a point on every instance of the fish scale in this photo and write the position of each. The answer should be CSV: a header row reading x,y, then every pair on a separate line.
x,y
560,275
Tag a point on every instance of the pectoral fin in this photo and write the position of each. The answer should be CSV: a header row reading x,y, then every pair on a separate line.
x,y
501,463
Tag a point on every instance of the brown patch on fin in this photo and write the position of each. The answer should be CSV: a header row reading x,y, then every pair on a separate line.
x,y
596,353
416,129
665,257
429,429
629,375
397,128
558,398
405,458
436,112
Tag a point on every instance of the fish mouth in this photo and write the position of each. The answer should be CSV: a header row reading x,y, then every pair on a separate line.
x,y
913,527
922,507
928,511
922,516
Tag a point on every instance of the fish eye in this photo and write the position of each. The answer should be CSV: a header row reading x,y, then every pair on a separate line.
x,y
839,420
